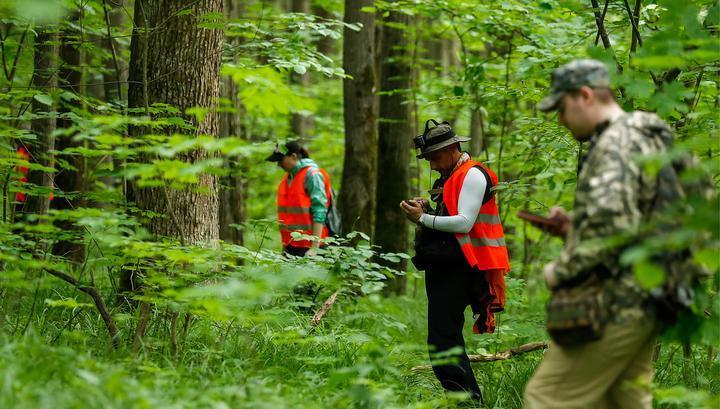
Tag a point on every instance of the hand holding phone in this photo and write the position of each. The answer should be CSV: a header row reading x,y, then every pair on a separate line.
x,y
412,208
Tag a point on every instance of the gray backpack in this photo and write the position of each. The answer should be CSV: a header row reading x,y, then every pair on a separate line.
x,y
333,221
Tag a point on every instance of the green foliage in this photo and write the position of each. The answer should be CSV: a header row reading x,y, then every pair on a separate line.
x,y
228,324
264,92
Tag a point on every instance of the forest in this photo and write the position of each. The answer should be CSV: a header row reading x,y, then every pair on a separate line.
x,y
141,261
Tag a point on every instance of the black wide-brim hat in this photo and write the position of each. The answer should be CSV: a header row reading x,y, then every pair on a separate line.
x,y
436,138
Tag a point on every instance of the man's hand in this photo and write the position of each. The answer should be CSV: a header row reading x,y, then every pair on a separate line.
x,y
317,232
413,210
563,222
549,274
424,203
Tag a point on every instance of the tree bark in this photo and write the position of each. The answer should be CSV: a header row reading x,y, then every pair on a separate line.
x,y
115,74
600,22
357,199
394,133
301,126
325,45
634,23
477,133
175,62
45,77
69,182
233,187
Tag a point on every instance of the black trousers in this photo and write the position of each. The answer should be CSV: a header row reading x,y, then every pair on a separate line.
x,y
295,251
450,289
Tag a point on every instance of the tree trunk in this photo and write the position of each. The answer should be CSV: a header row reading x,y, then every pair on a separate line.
x,y
325,45
301,126
233,188
115,67
162,35
69,182
44,77
357,199
394,133
233,207
477,133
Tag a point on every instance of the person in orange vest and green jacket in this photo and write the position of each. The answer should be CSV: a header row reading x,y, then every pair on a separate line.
x,y
303,199
461,246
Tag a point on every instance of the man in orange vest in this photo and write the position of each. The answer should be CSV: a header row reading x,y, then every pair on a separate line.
x,y
466,259
303,199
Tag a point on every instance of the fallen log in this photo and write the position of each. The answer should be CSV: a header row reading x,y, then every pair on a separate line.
x,y
500,356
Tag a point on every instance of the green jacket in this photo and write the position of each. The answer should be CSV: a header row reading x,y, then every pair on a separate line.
x,y
314,187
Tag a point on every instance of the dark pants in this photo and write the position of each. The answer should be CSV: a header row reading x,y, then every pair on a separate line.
x,y
295,251
450,289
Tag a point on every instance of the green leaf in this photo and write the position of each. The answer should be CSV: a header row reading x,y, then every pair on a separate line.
x,y
184,12
649,275
43,99
546,6
66,303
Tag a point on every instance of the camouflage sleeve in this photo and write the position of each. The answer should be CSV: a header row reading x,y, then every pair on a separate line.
x,y
606,210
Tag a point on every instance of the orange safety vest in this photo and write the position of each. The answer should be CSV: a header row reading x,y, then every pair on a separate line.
x,y
483,246
294,208
23,170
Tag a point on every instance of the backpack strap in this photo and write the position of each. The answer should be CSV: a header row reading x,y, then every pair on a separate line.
x,y
489,193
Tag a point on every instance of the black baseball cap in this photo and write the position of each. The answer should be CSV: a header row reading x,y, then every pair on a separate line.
x,y
290,148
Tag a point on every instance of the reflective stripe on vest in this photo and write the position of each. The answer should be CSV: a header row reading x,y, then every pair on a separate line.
x,y
293,209
294,212
484,245
488,218
296,227
481,241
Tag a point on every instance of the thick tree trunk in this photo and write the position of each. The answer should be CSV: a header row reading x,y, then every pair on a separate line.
x,y
357,199
395,132
175,62
44,77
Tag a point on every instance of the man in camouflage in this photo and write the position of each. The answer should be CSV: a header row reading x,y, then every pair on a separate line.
x,y
612,199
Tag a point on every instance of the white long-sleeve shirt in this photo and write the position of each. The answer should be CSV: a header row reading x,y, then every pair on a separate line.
x,y
472,193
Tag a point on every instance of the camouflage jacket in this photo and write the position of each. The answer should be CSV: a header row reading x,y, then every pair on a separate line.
x,y
612,198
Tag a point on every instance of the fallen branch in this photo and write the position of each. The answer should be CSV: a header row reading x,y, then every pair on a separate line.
x,y
315,321
95,295
500,356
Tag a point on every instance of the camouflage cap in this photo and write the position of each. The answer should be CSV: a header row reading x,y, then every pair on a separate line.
x,y
572,76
